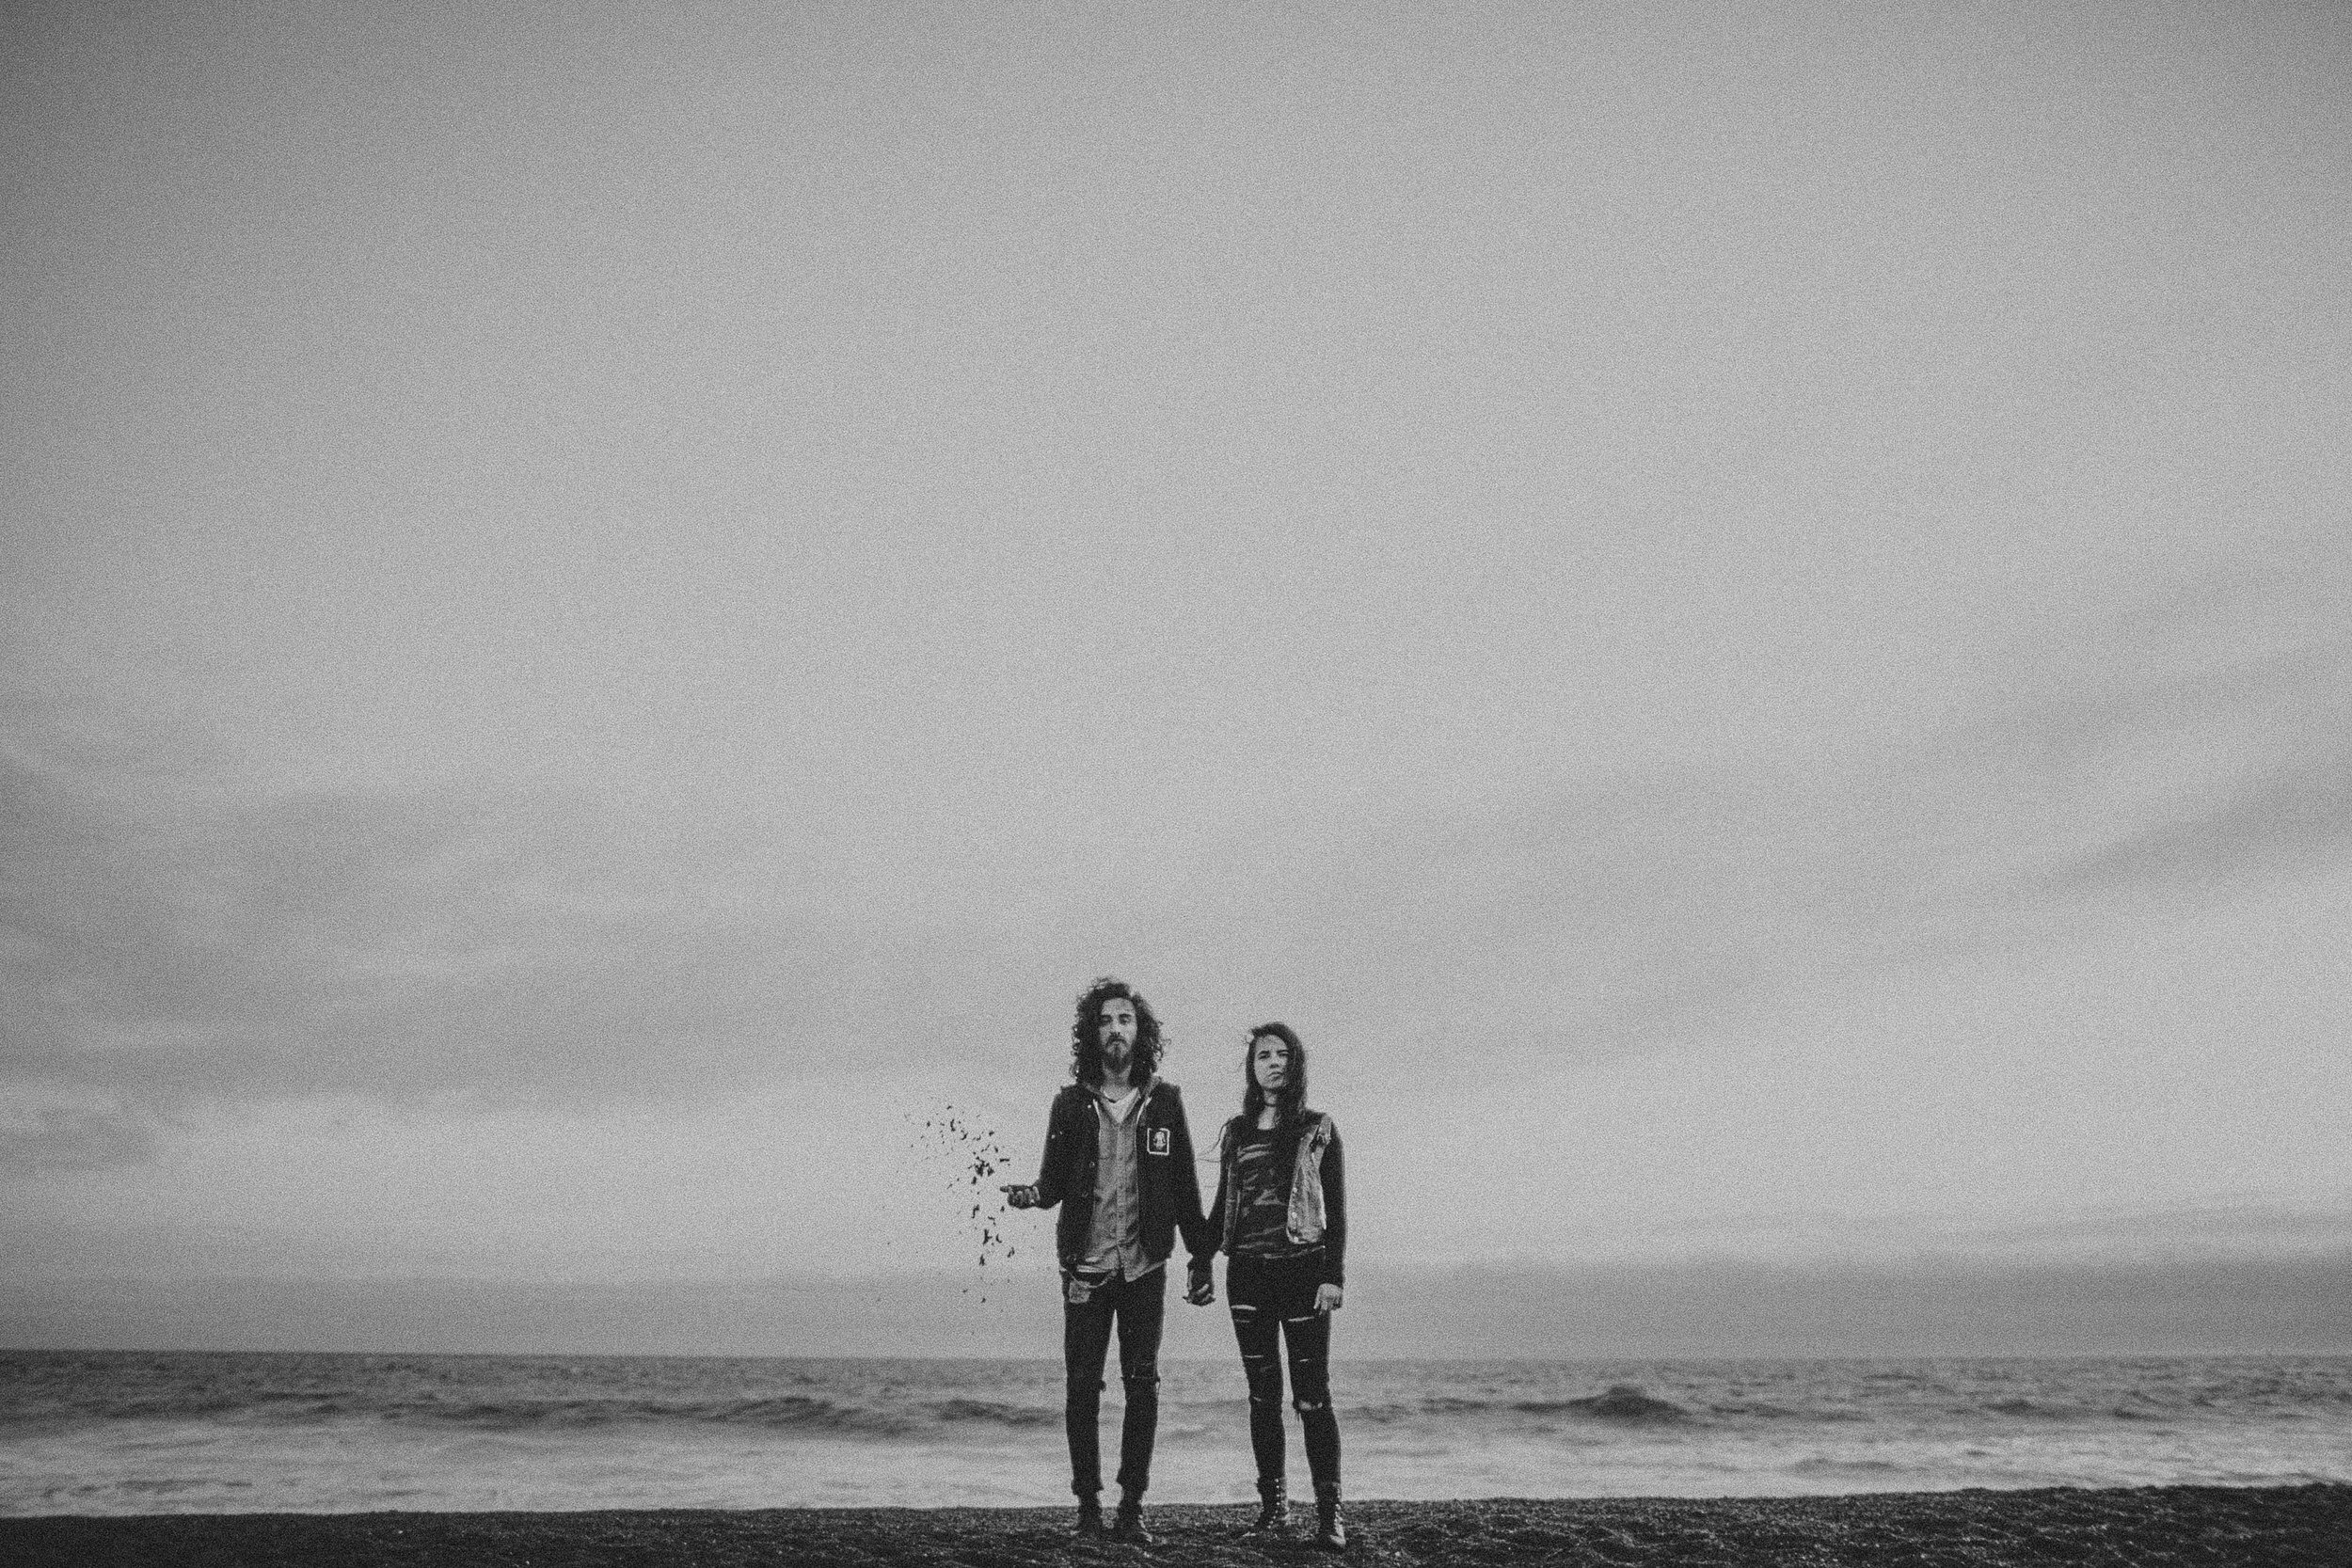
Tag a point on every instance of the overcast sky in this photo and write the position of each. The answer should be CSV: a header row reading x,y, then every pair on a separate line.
x,y
1742,614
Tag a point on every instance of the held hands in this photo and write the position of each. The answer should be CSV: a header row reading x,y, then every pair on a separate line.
x,y
1020,1196
1199,1285
1328,1298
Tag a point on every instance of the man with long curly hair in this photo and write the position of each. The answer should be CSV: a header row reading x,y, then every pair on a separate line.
x,y
1118,1161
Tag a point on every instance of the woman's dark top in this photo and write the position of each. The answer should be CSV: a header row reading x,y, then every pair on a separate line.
x,y
1256,1176
1263,1158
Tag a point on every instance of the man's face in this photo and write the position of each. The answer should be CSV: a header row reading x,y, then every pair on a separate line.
x,y
1115,1032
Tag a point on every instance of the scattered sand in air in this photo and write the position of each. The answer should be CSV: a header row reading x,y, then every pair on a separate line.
x,y
975,1166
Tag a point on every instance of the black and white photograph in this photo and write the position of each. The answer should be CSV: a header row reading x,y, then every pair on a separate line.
x,y
1025,781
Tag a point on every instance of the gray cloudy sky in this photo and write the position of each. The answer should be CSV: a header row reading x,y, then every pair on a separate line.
x,y
1744,614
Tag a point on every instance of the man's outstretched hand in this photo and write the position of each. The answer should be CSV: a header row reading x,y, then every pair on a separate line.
x,y
1200,1285
1020,1196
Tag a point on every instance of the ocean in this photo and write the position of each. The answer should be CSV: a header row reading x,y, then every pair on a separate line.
x,y
139,1433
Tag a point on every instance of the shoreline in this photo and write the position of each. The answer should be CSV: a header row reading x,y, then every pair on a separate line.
x,y
2157,1525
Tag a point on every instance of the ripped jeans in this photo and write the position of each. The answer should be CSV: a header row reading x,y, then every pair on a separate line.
x,y
1138,1307
1273,1298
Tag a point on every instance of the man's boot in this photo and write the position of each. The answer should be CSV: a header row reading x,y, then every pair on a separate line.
x,y
1090,1514
1128,1526
1274,1505
1330,1529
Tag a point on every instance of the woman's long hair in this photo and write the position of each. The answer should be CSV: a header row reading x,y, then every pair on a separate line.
x,y
1086,1045
1289,1106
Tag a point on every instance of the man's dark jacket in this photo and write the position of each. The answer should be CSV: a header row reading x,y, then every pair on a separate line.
x,y
1168,1196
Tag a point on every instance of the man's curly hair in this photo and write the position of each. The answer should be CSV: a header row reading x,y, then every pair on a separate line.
x,y
1086,1047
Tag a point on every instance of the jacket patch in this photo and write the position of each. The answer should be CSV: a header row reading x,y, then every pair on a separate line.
x,y
1157,1143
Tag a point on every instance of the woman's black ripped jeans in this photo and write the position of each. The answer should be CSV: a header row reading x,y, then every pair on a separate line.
x,y
1273,1298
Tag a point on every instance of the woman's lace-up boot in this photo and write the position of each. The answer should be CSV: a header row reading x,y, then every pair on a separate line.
x,y
1330,1529
1274,1507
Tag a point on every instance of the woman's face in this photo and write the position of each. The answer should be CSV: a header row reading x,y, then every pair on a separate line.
x,y
1270,1062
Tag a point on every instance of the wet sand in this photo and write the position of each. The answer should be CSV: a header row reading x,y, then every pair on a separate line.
x,y
2172,1525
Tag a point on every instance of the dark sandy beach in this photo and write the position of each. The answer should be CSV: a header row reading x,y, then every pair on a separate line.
x,y
2171,1525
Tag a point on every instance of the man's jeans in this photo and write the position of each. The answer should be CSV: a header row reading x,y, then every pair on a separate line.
x,y
1139,1307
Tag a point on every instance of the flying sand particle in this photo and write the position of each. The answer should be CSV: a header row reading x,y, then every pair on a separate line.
x,y
974,1156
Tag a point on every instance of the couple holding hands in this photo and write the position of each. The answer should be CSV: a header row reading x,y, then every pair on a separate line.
x,y
1119,1161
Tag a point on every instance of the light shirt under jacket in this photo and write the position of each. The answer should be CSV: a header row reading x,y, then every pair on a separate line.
x,y
1114,1240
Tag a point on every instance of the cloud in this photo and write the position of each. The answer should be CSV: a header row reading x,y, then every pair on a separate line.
x,y
2297,818
171,933
2178,754
176,935
74,1138
2212,1233
2205,743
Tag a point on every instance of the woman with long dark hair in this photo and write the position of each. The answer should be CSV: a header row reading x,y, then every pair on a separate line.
x,y
1282,1218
